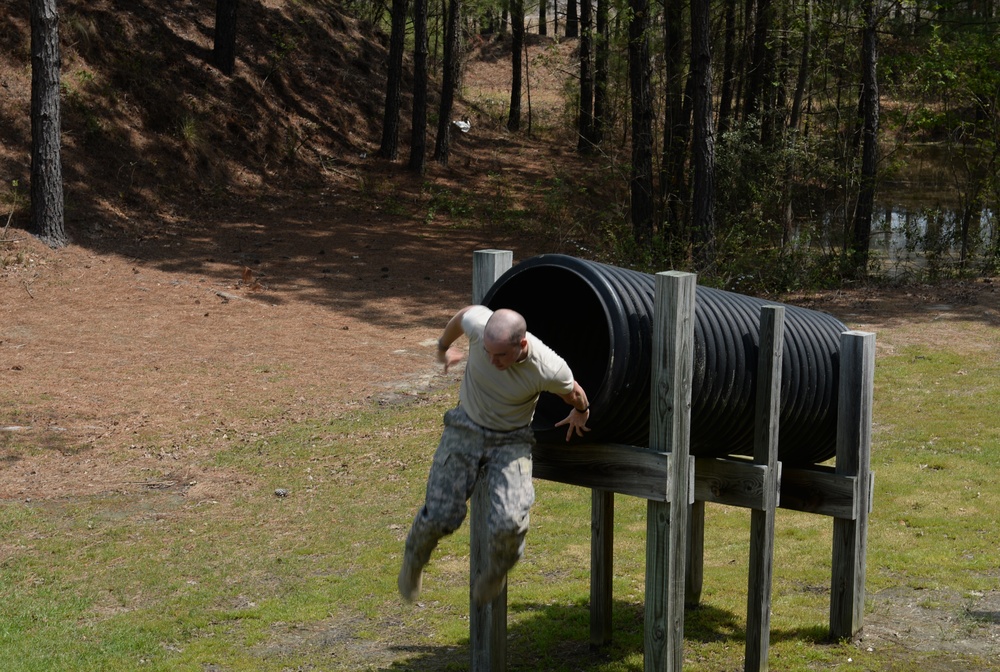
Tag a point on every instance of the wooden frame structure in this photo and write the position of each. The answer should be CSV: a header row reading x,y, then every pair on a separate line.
x,y
676,487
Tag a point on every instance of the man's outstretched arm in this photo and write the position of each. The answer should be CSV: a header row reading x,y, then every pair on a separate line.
x,y
577,418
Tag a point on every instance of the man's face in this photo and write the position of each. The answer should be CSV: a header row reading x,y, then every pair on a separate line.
x,y
502,355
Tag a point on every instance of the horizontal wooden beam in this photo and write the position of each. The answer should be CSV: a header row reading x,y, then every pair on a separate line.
x,y
820,490
733,482
640,472
615,467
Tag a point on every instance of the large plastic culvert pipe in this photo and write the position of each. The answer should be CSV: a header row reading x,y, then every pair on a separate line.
x,y
599,318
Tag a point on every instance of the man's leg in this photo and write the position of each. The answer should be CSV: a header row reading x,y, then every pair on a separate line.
x,y
511,496
449,486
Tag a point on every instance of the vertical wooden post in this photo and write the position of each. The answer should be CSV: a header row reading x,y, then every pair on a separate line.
x,y
669,431
602,537
765,451
850,536
696,555
488,623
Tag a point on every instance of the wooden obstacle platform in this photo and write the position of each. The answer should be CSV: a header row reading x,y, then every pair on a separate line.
x,y
677,486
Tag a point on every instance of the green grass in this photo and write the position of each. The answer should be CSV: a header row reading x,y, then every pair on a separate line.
x,y
248,580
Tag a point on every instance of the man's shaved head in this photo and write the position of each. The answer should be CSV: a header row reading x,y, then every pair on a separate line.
x,y
505,326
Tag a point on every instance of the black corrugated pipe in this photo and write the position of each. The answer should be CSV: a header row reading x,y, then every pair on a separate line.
x,y
599,318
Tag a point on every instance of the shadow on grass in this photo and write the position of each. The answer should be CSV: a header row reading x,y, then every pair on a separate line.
x,y
556,637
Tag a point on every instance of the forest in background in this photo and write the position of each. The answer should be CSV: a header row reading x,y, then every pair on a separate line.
x,y
739,151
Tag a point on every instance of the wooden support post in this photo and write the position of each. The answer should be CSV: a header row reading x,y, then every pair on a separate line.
x,y
765,452
695,572
669,431
602,538
850,535
488,623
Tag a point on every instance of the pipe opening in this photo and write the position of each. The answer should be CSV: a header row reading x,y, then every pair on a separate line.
x,y
563,310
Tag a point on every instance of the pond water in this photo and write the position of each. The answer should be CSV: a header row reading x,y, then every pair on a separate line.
x,y
919,215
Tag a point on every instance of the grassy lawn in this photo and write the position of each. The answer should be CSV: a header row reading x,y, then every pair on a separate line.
x,y
293,565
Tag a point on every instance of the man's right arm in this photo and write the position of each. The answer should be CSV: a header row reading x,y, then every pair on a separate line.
x,y
446,354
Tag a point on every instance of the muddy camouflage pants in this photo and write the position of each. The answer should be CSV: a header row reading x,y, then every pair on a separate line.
x,y
505,458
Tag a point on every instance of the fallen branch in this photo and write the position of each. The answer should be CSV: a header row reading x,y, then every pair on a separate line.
x,y
345,174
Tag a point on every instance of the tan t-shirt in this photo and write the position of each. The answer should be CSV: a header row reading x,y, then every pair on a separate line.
x,y
505,400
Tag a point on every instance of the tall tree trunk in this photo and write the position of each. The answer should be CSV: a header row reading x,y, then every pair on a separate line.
x,y
572,22
394,79
641,184
585,127
774,92
803,76
452,65
418,132
47,206
728,66
745,58
602,56
861,243
543,25
224,49
703,149
516,64
757,74
675,123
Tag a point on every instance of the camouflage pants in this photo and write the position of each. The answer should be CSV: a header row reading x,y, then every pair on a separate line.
x,y
505,460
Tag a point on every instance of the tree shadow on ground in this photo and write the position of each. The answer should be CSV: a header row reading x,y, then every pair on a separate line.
x,y
555,637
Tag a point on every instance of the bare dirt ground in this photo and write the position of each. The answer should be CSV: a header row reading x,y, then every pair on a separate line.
x,y
111,361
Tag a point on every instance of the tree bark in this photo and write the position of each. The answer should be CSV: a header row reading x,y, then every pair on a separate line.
x,y
601,60
861,243
224,49
675,124
418,131
543,26
585,127
47,205
572,22
452,65
757,75
803,76
516,64
728,68
703,149
390,118
641,183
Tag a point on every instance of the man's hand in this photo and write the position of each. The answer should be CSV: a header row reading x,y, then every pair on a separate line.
x,y
576,421
450,357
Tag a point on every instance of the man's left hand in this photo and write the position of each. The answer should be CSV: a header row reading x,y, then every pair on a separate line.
x,y
575,422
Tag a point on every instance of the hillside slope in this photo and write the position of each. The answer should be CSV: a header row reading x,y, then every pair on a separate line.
x,y
149,122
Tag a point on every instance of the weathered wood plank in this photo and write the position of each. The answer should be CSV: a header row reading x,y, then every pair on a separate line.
x,y
731,481
850,536
620,468
819,490
765,454
695,572
487,623
735,481
602,537
670,431
487,267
